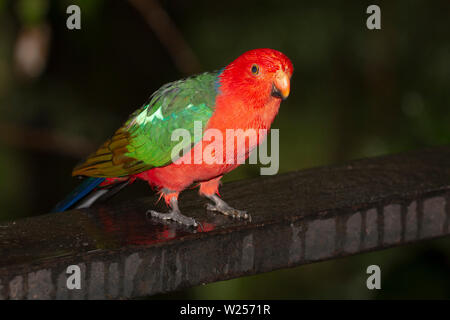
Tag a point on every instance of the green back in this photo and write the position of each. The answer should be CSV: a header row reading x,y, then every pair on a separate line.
x,y
144,141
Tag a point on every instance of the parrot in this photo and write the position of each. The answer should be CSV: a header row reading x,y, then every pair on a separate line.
x,y
245,94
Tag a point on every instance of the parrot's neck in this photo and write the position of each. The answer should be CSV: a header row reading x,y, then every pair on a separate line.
x,y
237,112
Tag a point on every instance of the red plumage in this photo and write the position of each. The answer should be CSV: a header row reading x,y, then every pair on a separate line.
x,y
245,101
249,93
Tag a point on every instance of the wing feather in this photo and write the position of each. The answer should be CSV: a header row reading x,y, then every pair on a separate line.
x,y
144,140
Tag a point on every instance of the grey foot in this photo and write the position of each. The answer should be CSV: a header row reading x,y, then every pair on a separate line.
x,y
174,216
222,207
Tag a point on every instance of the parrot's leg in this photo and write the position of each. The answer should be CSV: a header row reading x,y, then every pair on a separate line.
x,y
210,189
174,214
223,207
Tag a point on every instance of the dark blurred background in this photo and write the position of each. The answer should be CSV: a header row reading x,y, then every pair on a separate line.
x,y
355,93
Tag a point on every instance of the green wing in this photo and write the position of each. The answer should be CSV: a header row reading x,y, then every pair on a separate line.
x,y
144,140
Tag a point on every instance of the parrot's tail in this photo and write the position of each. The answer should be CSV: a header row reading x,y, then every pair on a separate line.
x,y
84,191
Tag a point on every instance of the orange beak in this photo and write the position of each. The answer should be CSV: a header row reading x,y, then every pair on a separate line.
x,y
281,85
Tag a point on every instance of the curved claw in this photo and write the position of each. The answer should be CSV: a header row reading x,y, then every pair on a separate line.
x,y
225,209
174,216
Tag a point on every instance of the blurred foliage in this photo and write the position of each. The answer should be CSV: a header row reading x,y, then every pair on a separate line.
x,y
355,93
31,12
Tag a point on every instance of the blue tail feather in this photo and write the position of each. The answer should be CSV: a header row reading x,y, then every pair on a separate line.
x,y
78,193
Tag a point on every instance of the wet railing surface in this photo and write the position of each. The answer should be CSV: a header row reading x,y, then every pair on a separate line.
x,y
298,218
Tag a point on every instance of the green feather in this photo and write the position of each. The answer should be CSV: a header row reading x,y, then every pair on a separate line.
x,y
144,141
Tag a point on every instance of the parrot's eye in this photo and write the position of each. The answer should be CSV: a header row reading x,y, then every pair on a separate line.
x,y
255,69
